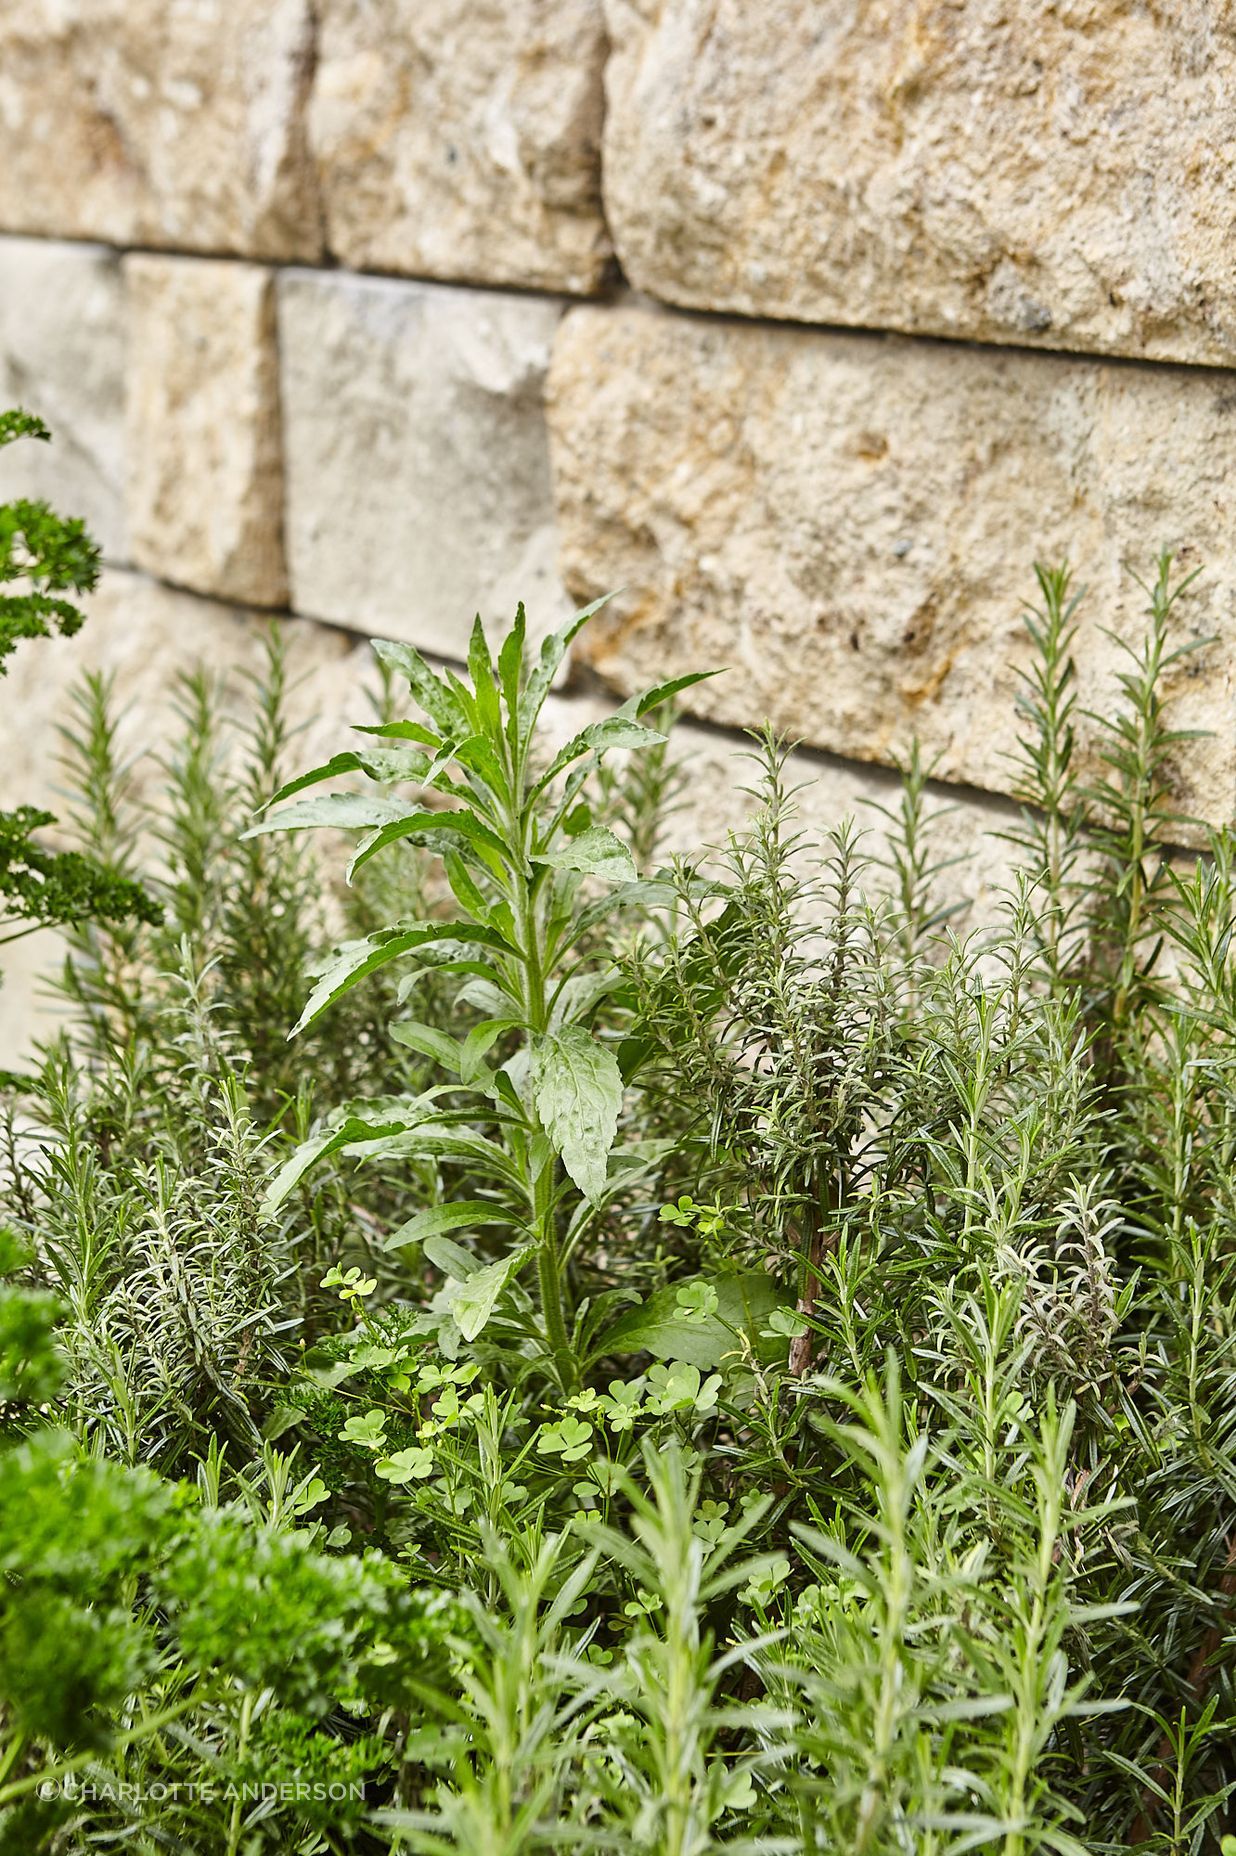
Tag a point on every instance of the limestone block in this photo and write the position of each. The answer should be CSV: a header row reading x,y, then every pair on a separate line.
x,y
1056,175
848,523
418,487
460,139
62,356
205,446
29,1012
159,122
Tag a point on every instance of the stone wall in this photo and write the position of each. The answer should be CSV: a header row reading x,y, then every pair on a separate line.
x,y
809,324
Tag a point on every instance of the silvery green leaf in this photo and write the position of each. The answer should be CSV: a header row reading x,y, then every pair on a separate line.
x,y
665,692
356,959
309,1152
595,852
439,830
616,731
386,764
434,695
553,649
342,811
451,1258
577,1089
437,1220
475,1300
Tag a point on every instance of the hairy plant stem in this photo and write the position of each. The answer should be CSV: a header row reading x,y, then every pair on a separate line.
x,y
541,1181
549,1278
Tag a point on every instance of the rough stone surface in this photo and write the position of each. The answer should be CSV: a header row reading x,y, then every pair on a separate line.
x,y
1023,173
418,486
161,122
460,139
849,524
62,356
205,445
28,1013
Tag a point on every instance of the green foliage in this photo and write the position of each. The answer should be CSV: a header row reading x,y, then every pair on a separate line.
x,y
49,555
47,888
733,1356
516,842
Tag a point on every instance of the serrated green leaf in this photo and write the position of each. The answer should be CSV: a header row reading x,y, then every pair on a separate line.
x,y
355,960
435,697
475,1301
434,829
616,731
578,1095
659,1326
595,852
340,811
436,1220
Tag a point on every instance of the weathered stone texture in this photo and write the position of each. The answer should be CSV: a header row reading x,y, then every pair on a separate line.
x,y
205,446
27,1014
460,139
62,356
162,122
849,524
418,479
1027,173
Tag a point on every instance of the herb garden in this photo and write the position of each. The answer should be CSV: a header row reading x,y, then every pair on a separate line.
x,y
513,1343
